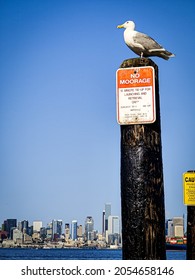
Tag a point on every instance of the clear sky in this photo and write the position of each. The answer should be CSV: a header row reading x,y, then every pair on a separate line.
x,y
59,138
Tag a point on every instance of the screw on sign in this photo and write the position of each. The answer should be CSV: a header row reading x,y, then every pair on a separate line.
x,y
136,95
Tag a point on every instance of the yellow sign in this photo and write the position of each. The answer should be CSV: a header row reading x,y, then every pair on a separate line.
x,y
189,188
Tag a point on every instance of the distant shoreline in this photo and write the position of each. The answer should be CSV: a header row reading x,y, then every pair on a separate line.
x,y
169,247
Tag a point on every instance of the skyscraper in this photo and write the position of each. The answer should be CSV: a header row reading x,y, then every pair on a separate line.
x,y
9,226
103,222
113,233
107,214
74,230
89,228
56,229
24,227
113,225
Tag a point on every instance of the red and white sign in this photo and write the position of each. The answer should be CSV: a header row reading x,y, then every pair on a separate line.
x,y
135,95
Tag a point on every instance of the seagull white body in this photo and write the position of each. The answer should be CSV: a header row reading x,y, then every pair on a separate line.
x,y
142,44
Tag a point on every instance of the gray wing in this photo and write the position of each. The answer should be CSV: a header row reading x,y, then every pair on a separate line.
x,y
146,41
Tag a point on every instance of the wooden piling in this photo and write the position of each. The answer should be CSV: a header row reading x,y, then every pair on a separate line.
x,y
142,188
190,254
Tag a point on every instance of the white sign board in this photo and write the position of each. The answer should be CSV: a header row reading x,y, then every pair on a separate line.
x,y
136,95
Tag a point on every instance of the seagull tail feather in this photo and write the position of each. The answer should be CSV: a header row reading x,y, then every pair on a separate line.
x,y
169,54
166,55
161,53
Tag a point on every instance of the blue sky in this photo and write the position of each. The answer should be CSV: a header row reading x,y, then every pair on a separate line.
x,y
60,141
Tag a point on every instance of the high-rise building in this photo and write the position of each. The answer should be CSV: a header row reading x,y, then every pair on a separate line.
x,y
74,230
169,228
107,214
23,226
79,231
37,225
89,228
43,233
49,231
30,230
113,232
113,225
67,231
56,229
103,222
9,226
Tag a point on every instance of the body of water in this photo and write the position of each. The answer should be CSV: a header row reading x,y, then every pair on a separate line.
x,y
73,254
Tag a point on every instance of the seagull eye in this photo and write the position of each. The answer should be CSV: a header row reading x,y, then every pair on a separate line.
x,y
127,22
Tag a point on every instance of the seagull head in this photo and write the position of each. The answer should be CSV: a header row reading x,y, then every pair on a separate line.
x,y
128,24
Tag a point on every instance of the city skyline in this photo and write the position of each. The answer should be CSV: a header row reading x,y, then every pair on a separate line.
x,y
60,141
73,234
37,224
55,229
40,224
174,227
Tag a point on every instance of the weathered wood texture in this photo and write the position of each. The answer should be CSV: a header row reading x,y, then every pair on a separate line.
x,y
142,188
190,233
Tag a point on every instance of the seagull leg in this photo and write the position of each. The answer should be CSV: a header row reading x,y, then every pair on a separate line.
x,y
141,55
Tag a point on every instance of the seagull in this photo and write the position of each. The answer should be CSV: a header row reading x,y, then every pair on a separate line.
x,y
141,43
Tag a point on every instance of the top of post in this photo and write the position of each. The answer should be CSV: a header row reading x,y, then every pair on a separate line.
x,y
138,62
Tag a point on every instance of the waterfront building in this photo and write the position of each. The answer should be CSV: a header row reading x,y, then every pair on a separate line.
x,y
27,238
89,228
175,227
37,225
178,226
17,236
74,230
36,236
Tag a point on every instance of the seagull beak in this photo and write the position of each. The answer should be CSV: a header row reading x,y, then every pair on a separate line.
x,y
120,26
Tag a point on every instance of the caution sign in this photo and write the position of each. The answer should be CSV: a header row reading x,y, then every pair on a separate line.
x,y
189,188
135,95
